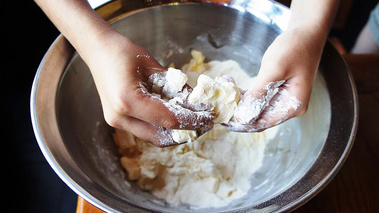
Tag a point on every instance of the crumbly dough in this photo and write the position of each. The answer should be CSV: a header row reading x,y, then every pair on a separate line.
x,y
213,85
214,169
175,80
221,94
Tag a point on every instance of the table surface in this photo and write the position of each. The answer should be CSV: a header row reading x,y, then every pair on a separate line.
x,y
356,186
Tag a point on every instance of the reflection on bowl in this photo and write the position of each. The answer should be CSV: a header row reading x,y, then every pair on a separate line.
x,y
299,161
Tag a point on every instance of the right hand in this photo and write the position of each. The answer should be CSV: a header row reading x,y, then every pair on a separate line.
x,y
121,69
288,67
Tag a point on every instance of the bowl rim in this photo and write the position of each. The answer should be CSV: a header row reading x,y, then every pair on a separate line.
x,y
46,128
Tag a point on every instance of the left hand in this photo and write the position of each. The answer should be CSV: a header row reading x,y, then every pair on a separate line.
x,y
284,83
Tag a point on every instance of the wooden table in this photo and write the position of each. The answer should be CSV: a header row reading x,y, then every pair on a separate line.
x,y
356,187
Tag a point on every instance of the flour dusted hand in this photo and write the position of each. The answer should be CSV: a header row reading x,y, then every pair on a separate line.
x,y
255,114
293,57
121,70
219,96
283,85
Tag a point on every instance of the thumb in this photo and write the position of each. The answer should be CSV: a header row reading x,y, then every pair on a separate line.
x,y
255,100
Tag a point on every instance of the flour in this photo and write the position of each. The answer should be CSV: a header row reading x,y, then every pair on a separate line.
x,y
214,169
170,89
172,48
175,81
214,89
250,108
280,108
253,115
144,56
221,95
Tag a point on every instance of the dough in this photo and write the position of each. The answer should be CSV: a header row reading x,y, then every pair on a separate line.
x,y
213,86
175,80
221,94
214,169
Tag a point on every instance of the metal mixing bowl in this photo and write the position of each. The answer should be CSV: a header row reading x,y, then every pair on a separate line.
x,y
299,161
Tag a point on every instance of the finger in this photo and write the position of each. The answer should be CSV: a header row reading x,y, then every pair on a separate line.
x,y
281,108
149,65
173,87
238,127
254,102
300,89
159,112
159,82
147,107
156,135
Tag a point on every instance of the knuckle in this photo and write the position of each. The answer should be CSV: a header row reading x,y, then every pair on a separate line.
x,y
170,123
302,110
121,106
112,120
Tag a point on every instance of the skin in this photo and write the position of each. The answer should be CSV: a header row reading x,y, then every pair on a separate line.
x,y
119,66
294,56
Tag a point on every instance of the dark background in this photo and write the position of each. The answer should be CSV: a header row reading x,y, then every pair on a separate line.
x,y
26,34
31,185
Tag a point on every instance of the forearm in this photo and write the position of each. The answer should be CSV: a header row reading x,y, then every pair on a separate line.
x,y
77,21
316,16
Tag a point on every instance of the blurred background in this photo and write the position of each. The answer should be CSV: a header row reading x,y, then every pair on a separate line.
x,y
26,34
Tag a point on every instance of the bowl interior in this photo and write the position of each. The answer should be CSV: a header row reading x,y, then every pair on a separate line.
x,y
169,32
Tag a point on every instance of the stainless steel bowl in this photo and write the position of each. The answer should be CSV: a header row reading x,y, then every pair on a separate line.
x,y
299,161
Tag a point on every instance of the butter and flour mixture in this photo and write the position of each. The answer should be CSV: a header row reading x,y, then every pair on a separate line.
x,y
212,170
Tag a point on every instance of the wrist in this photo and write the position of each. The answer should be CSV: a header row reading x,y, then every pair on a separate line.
x,y
102,39
314,16
312,33
305,44
78,22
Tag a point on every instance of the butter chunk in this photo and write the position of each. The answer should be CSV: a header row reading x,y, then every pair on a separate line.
x,y
197,62
181,136
175,80
221,94
132,167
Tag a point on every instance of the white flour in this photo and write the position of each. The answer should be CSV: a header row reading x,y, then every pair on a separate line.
x,y
250,107
212,171
215,168
214,89
256,114
174,95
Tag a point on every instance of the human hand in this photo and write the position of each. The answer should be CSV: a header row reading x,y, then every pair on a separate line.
x,y
121,70
283,85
